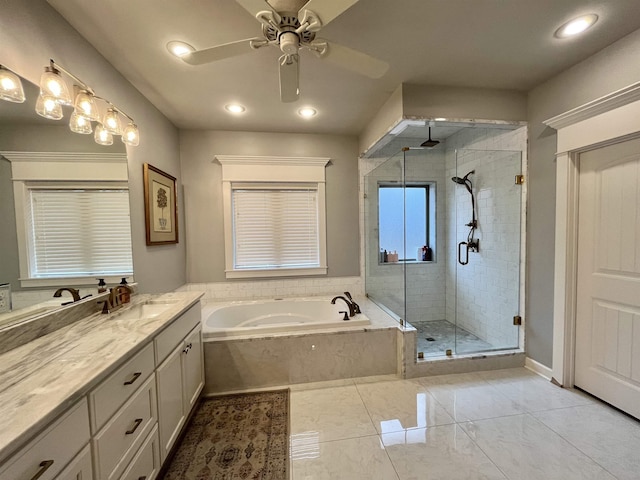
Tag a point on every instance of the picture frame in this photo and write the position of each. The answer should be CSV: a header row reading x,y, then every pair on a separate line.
x,y
160,206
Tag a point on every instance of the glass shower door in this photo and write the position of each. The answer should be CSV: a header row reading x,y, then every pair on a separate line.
x,y
485,256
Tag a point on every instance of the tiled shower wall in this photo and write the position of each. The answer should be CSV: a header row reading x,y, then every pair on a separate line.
x,y
488,288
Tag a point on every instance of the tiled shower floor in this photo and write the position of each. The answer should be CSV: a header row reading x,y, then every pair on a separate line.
x,y
445,336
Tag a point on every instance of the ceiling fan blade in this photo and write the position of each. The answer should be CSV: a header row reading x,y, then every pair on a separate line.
x,y
353,60
220,52
326,10
289,73
255,6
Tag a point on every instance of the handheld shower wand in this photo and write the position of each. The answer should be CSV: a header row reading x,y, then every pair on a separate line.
x,y
471,244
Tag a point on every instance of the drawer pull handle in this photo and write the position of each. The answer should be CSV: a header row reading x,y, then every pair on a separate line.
x,y
44,466
133,379
135,426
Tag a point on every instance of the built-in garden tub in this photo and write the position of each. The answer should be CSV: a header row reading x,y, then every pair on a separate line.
x,y
262,343
276,316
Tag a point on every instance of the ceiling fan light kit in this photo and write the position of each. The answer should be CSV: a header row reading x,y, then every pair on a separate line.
x,y
291,26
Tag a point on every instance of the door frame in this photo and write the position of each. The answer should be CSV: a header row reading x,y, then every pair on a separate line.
x,y
610,119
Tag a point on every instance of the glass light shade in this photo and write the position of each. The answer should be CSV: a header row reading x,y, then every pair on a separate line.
x,y
80,124
47,107
111,122
85,105
52,85
102,135
130,135
10,87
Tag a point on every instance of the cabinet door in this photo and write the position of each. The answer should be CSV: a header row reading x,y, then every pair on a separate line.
x,y
193,371
170,399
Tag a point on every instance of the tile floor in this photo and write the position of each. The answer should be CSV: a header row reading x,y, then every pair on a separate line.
x,y
504,424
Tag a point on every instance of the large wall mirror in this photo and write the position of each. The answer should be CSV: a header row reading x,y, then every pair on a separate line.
x,y
54,151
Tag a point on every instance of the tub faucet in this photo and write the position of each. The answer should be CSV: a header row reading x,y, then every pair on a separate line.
x,y
355,305
352,310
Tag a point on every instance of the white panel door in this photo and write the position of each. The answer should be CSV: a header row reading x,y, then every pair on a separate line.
x,y
608,292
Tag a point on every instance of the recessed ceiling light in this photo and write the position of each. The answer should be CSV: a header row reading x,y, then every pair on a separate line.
x,y
234,108
179,49
307,112
576,26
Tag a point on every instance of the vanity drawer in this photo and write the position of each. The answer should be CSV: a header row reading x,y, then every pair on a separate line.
x,y
146,464
52,450
80,467
171,336
116,444
114,391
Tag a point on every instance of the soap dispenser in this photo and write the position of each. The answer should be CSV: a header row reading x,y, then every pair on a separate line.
x,y
126,292
102,286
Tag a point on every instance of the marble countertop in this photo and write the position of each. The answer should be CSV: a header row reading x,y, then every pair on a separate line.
x,y
41,379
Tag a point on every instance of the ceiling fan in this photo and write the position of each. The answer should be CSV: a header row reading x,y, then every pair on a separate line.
x,y
292,25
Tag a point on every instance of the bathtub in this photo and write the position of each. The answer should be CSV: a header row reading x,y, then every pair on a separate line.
x,y
232,319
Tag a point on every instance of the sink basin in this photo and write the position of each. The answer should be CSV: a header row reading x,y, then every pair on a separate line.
x,y
145,311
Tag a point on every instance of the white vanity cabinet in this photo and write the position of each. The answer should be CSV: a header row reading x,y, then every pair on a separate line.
x,y
123,428
51,451
179,375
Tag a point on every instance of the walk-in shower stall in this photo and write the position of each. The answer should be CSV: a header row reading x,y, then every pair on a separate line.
x,y
443,246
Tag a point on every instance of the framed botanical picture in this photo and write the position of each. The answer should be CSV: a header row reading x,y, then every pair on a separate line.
x,y
160,206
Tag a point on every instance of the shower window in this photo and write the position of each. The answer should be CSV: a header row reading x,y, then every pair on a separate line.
x,y
408,240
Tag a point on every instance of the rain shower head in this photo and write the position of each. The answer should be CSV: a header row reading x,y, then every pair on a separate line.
x,y
429,142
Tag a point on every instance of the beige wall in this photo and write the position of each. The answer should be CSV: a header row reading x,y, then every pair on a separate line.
x,y
613,68
31,32
202,181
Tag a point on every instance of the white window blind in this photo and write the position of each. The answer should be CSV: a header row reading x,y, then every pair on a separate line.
x,y
79,232
276,227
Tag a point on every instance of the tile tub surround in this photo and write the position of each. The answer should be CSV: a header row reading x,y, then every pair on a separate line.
x,y
42,378
256,361
430,428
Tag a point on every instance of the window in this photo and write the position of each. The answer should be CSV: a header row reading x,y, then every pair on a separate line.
x,y
76,231
275,220
276,227
406,219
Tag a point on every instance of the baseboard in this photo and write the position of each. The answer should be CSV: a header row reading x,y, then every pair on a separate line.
x,y
537,367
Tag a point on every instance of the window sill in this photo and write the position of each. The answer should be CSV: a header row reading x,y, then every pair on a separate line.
x,y
73,281
276,272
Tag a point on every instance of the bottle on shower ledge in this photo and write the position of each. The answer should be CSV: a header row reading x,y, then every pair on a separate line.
x,y
385,257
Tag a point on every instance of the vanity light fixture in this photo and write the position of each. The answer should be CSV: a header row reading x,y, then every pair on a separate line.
x,y
130,135
179,49
102,136
88,107
307,112
576,26
53,85
80,124
85,105
47,107
111,122
10,86
234,108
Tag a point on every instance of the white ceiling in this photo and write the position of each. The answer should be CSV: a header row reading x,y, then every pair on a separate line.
x,y
473,43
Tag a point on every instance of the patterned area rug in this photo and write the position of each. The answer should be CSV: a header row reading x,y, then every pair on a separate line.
x,y
235,437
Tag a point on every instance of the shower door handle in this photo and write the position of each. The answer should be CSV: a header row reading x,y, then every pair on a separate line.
x,y
466,250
